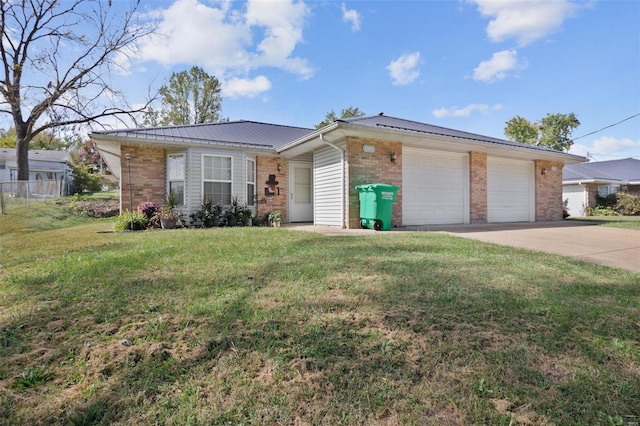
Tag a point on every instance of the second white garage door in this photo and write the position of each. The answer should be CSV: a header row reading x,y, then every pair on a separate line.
x,y
510,190
434,187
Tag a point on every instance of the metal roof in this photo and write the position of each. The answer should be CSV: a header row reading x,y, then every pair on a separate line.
x,y
240,133
37,155
382,121
626,170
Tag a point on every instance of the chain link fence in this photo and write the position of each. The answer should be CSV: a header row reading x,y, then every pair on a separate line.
x,y
22,193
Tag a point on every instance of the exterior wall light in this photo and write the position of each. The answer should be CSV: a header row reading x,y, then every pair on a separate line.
x,y
393,157
279,167
543,171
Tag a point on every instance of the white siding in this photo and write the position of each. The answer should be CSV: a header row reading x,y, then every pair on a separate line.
x,y
510,190
435,187
578,199
304,158
328,175
193,172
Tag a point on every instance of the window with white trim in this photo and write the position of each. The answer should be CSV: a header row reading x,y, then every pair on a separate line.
x,y
603,190
251,182
216,178
175,176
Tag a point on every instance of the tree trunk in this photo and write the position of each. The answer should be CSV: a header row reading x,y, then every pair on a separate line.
x,y
22,150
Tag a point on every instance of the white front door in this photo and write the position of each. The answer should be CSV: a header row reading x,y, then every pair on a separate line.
x,y
300,192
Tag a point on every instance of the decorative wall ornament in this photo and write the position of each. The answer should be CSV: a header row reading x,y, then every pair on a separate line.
x,y
271,188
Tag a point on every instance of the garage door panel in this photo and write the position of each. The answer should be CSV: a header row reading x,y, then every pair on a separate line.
x,y
509,190
434,187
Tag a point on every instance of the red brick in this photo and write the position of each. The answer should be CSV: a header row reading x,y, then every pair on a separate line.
x,y
548,191
147,176
266,166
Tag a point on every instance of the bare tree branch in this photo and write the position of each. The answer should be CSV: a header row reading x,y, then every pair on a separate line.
x,y
41,85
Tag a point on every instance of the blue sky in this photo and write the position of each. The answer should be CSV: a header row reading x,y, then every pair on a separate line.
x,y
469,65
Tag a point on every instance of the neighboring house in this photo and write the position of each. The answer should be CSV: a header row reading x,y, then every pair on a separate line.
x,y
44,165
445,176
581,182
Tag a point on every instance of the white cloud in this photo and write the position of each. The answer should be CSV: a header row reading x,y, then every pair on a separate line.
x,y
465,111
190,32
240,87
282,22
351,15
229,42
609,148
498,66
403,70
524,20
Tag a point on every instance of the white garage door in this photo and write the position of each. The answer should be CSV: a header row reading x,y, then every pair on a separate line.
x,y
434,187
510,190
576,195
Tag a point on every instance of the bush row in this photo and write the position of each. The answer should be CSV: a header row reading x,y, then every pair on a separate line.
x,y
621,203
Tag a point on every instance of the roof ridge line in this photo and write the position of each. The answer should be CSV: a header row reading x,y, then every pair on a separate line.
x,y
427,124
183,126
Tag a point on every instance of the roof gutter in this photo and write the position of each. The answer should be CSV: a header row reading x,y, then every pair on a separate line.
x,y
179,142
593,180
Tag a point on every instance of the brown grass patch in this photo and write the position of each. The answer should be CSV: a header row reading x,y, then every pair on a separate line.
x,y
555,369
521,415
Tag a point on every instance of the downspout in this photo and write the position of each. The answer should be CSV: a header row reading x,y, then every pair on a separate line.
x,y
344,176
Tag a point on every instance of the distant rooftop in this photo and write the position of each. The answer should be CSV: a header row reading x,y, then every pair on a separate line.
x,y
626,171
37,154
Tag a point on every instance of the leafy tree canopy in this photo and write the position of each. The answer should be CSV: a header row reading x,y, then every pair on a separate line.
x,y
190,97
553,131
345,113
44,140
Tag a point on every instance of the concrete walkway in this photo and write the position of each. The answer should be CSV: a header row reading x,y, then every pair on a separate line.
x,y
615,247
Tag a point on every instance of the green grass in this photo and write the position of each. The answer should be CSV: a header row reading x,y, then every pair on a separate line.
x,y
270,326
628,222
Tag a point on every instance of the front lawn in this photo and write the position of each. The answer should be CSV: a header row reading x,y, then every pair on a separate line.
x,y
628,222
271,326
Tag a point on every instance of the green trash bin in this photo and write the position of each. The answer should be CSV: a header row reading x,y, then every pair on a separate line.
x,y
376,204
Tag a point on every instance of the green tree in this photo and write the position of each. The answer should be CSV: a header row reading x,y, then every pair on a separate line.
x,y
190,97
553,131
556,130
44,140
8,138
345,113
519,129
53,76
47,140
84,180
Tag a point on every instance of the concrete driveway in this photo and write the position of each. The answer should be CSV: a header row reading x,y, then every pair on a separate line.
x,y
615,247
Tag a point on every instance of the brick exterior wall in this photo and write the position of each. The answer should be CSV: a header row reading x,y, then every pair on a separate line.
x,y
478,187
548,187
364,167
147,176
266,166
592,192
592,189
